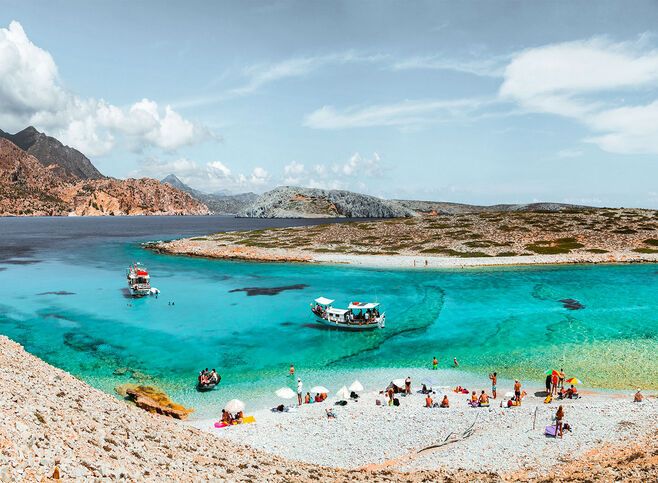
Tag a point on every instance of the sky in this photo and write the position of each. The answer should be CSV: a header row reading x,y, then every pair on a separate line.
x,y
476,101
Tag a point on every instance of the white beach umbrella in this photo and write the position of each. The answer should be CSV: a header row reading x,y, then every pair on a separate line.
x,y
285,393
356,386
320,390
399,382
234,406
343,393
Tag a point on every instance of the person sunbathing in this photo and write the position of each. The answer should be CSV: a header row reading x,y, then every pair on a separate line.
x,y
307,398
574,392
428,401
474,399
226,417
445,403
483,399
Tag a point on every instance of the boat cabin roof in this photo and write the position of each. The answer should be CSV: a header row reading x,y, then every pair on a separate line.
x,y
363,305
324,301
337,311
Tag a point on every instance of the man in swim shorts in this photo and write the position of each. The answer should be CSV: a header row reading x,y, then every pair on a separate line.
x,y
435,363
517,391
494,379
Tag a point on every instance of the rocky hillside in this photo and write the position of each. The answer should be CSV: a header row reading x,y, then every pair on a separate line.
x,y
294,202
28,188
441,207
50,152
219,204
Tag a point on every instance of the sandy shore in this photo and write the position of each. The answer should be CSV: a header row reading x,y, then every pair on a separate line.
x,y
209,249
54,424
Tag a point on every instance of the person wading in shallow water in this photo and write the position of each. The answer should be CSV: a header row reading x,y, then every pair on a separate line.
x,y
435,363
454,361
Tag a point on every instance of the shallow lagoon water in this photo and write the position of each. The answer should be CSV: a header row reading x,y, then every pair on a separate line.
x,y
63,297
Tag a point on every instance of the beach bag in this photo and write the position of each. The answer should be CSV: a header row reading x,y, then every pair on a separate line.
x,y
396,402
551,431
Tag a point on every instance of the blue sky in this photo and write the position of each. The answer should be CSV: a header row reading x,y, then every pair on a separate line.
x,y
480,102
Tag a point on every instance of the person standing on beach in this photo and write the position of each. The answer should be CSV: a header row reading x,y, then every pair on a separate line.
x,y
435,363
559,416
517,391
494,378
561,377
299,390
554,380
407,385
548,384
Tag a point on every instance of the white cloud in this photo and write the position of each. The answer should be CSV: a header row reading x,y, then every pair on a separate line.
x,y
210,177
31,93
593,82
346,175
401,114
492,66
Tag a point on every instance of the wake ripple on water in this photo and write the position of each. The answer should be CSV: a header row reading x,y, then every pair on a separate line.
x,y
416,320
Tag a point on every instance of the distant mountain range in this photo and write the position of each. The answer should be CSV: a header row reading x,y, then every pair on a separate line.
x,y
217,203
297,202
39,176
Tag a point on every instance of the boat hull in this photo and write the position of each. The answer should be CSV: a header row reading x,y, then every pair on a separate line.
x,y
348,327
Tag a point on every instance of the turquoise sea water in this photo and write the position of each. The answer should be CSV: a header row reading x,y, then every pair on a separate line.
x,y
65,302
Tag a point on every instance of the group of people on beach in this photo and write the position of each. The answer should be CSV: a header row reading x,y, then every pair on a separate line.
x,y
229,419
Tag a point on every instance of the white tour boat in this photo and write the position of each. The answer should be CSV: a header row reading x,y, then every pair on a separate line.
x,y
139,281
357,316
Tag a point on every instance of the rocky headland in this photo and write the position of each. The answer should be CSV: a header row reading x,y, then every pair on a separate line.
x,y
49,179
479,238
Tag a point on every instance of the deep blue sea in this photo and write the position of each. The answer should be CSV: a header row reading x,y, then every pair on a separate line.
x,y
63,297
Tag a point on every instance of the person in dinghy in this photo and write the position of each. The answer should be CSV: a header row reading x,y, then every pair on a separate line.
x,y
207,380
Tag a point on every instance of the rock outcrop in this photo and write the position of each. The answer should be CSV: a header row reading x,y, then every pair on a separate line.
x,y
295,202
51,152
153,400
219,204
28,188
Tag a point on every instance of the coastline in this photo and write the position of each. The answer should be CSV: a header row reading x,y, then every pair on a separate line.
x,y
51,419
208,249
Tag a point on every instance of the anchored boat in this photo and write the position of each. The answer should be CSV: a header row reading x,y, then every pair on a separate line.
x,y
139,281
357,316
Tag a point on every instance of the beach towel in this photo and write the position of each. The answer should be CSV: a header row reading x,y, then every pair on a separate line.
x,y
248,419
548,399
551,431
